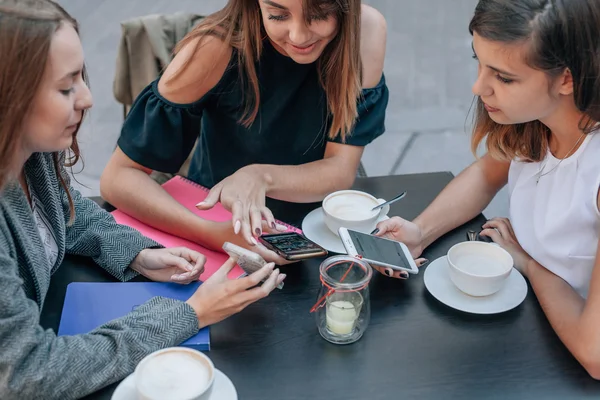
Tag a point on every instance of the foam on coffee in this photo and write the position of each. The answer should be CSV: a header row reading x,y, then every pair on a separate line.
x,y
351,206
479,264
173,375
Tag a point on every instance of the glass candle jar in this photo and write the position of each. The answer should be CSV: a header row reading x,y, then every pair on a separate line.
x,y
343,309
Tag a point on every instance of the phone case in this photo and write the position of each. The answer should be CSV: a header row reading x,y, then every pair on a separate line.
x,y
249,261
297,257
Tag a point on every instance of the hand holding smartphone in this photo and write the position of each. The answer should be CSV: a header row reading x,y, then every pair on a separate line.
x,y
248,260
378,251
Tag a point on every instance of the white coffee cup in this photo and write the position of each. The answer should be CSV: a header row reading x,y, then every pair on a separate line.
x,y
479,268
176,373
351,209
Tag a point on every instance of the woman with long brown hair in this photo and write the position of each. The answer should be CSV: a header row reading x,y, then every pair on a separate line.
x,y
43,96
538,108
286,93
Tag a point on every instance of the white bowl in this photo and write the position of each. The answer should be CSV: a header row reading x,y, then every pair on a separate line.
x,y
478,268
362,222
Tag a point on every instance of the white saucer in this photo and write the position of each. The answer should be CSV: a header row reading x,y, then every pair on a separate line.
x,y
223,388
314,228
437,280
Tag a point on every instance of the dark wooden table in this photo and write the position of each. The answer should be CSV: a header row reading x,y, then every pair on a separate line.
x,y
414,348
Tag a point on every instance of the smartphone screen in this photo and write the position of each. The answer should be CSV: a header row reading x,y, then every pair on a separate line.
x,y
378,249
291,243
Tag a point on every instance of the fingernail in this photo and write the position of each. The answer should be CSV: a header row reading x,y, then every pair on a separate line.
x,y
200,204
236,228
281,278
271,265
281,228
258,231
375,231
388,272
254,242
425,261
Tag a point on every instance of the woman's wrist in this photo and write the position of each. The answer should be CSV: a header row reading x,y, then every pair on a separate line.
x,y
206,232
197,310
259,173
425,233
530,268
137,262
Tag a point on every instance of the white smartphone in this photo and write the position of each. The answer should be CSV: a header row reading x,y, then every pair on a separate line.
x,y
248,260
378,251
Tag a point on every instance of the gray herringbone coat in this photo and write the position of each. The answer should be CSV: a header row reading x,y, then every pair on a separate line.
x,y
36,364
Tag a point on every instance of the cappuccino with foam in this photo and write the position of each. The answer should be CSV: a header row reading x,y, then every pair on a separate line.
x,y
351,206
351,209
177,374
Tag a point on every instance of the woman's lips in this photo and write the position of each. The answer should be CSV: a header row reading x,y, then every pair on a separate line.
x,y
490,109
303,49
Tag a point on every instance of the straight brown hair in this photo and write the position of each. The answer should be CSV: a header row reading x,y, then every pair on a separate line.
x,y
561,34
26,31
239,25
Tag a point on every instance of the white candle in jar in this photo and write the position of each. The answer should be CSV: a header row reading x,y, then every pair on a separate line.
x,y
341,316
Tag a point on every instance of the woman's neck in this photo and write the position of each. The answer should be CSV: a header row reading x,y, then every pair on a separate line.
x,y
564,126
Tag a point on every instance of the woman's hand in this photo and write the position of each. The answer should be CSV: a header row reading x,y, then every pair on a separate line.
x,y
393,273
404,231
219,297
243,193
501,232
178,264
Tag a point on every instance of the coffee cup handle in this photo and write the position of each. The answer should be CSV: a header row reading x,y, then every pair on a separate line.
x,y
385,209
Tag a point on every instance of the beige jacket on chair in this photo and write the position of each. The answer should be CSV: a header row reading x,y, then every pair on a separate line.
x,y
146,48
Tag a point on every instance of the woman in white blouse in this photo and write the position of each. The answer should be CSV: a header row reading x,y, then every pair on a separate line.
x,y
538,108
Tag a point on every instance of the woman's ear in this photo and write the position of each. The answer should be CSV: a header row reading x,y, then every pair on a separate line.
x,y
565,81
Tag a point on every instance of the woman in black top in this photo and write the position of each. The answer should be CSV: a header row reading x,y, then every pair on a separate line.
x,y
286,94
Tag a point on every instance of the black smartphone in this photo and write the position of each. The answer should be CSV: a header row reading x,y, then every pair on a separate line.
x,y
292,246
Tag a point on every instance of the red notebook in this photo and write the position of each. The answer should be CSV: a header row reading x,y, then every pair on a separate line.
x,y
189,194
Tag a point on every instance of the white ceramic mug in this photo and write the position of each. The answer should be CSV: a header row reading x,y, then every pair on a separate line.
x,y
351,209
175,373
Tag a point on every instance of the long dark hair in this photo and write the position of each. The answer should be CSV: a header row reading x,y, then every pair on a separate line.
x,y
26,31
561,34
239,24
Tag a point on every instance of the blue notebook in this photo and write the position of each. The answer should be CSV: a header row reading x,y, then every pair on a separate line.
x,y
91,304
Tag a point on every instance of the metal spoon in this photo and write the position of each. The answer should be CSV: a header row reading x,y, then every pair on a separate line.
x,y
395,199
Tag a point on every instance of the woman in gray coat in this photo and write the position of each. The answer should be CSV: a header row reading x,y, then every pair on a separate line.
x,y
43,96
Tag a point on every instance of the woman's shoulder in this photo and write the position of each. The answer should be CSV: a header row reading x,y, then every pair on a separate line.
x,y
373,36
195,70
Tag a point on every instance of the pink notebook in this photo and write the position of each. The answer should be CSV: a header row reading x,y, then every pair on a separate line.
x,y
189,194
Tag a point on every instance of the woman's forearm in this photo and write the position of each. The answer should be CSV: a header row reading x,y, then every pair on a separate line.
x,y
463,199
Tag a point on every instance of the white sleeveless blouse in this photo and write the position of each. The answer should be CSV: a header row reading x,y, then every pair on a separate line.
x,y
557,221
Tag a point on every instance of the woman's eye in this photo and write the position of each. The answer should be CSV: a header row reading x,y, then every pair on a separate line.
x,y
276,17
504,80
